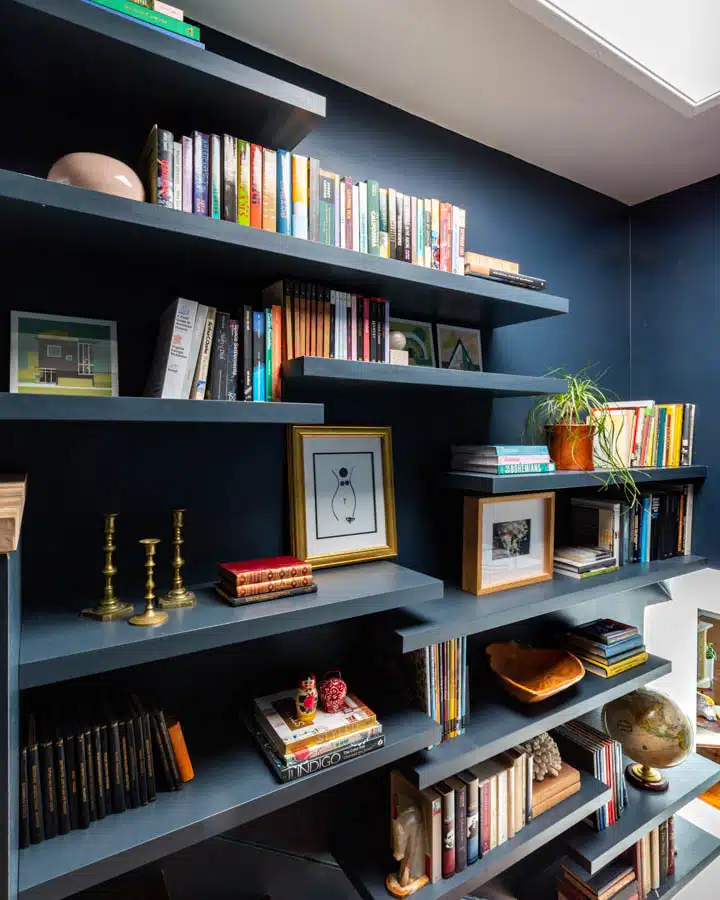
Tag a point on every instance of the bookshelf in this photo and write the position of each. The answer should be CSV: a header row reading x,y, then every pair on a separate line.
x,y
560,481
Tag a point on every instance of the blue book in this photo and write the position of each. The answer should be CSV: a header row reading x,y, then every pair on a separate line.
x,y
284,191
607,651
258,375
503,450
645,531
172,34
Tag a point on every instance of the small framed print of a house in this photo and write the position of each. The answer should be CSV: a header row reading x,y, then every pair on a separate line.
x,y
62,355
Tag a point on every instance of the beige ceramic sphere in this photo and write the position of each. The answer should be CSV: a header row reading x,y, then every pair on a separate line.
x,y
398,341
98,173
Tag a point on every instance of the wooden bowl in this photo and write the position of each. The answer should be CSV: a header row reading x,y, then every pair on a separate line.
x,y
533,675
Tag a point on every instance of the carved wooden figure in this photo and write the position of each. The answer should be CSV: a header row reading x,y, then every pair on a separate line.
x,y
408,837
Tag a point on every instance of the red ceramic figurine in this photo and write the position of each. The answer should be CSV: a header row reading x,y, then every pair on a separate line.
x,y
306,699
333,691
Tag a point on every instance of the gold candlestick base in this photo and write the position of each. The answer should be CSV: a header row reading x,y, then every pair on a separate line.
x,y
110,608
177,599
102,613
151,616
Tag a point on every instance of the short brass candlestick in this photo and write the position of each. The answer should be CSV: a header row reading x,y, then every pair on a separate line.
x,y
178,596
109,608
151,616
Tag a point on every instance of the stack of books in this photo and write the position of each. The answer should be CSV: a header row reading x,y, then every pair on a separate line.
x,y
617,880
607,647
153,14
441,684
504,270
553,790
654,858
648,434
226,178
501,459
254,580
583,562
590,750
294,750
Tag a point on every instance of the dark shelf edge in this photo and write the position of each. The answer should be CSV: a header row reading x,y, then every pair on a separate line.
x,y
474,482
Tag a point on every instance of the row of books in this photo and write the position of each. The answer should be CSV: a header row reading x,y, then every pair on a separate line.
x,y
590,750
153,14
442,684
255,580
648,434
644,869
501,459
469,815
82,762
607,647
293,749
226,178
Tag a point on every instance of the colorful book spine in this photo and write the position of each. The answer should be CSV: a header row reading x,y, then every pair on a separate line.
x,y
448,828
461,216
313,199
445,236
372,189
356,217
269,190
300,196
383,236
149,25
523,468
201,172
256,185
407,228
246,365
363,219
258,376
215,175
342,213
177,175
201,370
326,213
243,182
435,234
269,340
230,175
413,230
151,16
284,192
187,174
233,352
420,243
392,223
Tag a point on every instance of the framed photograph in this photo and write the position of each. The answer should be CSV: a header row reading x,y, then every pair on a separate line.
x,y
420,344
342,498
507,541
459,348
62,355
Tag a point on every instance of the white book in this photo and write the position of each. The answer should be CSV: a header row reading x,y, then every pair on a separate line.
x,y
511,823
428,241
167,10
502,807
334,318
167,374
420,232
689,502
356,217
343,207
353,326
203,362
363,227
177,175
392,215
455,244
195,344
493,812
338,207
384,236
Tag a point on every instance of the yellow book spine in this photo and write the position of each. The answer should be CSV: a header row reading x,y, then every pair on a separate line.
x,y
243,182
451,685
269,190
626,664
300,196
679,411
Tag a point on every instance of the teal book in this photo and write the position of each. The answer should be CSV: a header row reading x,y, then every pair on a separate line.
x,y
284,191
662,416
258,375
215,175
373,218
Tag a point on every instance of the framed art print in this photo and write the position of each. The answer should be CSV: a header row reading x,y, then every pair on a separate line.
x,y
342,498
507,541
420,344
52,354
459,348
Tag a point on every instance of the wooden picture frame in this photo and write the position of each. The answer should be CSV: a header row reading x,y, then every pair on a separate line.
x,y
508,541
342,494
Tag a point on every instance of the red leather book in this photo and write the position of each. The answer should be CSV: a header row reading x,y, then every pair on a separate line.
x,y
272,568
448,828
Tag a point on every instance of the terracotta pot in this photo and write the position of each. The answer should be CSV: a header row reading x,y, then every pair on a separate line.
x,y
571,446
99,173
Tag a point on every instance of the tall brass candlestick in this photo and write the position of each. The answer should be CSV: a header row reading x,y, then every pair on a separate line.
x,y
178,596
109,608
151,616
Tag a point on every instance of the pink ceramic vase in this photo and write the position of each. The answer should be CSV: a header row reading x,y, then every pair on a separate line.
x,y
333,691
98,173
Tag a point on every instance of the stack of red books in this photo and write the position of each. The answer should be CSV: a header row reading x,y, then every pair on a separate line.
x,y
253,580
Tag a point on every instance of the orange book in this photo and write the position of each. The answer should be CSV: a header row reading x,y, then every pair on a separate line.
x,y
277,350
269,190
445,236
180,749
256,185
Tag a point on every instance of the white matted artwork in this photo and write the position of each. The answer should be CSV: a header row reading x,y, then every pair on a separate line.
x,y
459,348
342,496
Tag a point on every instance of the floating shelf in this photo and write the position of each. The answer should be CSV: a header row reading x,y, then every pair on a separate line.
x,y
497,722
460,613
645,811
558,481
42,407
315,368
366,865
61,215
230,787
56,645
219,94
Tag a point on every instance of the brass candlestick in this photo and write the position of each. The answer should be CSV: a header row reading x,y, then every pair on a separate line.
x,y
178,596
151,616
110,608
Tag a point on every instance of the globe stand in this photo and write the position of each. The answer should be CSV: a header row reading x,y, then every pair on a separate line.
x,y
646,778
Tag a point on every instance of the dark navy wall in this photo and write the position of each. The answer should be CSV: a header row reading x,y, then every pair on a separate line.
x,y
675,328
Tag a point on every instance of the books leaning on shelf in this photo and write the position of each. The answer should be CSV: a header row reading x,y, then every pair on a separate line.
x,y
501,459
158,16
607,647
294,750
255,580
440,674
482,266
644,433
223,177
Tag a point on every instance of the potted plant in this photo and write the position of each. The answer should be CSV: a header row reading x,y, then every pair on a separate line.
x,y
579,431
710,656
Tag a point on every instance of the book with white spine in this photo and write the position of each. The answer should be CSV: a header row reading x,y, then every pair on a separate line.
x,y
194,351
172,351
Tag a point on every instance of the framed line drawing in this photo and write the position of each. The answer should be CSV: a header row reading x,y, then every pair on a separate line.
x,y
459,348
342,496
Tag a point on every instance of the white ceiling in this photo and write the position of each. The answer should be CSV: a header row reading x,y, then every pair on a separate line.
x,y
491,71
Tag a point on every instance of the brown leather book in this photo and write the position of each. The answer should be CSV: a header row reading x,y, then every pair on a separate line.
x,y
551,791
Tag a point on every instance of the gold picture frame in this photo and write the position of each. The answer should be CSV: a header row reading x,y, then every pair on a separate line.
x,y
320,495
501,545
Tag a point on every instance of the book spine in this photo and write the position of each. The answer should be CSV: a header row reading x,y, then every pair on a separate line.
x,y
83,785
245,346
372,190
63,793
139,737
233,352
243,182
256,185
48,789
461,859
187,174
167,744
98,771
427,249
445,236
313,199
671,846
168,23
326,761
383,236
392,223
277,353
258,379
521,468
165,8
399,208
149,25
363,223
269,340
300,196
90,774
201,167
35,801
407,228
413,231
165,195
203,363
486,815
105,757
180,751
162,755
326,213
454,240
435,234
347,186
230,176
366,329
356,217
473,822
269,191
461,217
177,175
217,376
24,831
133,795
149,760
284,191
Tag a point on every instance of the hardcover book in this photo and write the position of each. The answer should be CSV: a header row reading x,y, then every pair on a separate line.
x,y
269,190
284,192
256,185
254,571
243,182
157,165
230,175
172,352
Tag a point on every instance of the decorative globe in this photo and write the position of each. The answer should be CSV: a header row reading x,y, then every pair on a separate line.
x,y
653,731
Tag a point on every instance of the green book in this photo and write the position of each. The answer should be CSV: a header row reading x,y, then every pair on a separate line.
x,y
149,15
243,182
268,354
373,218
327,208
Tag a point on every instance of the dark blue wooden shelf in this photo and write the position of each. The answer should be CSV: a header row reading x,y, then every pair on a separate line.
x,y
645,811
558,481
65,216
497,722
367,863
234,98
56,644
41,407
230,787
315,368
460,613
